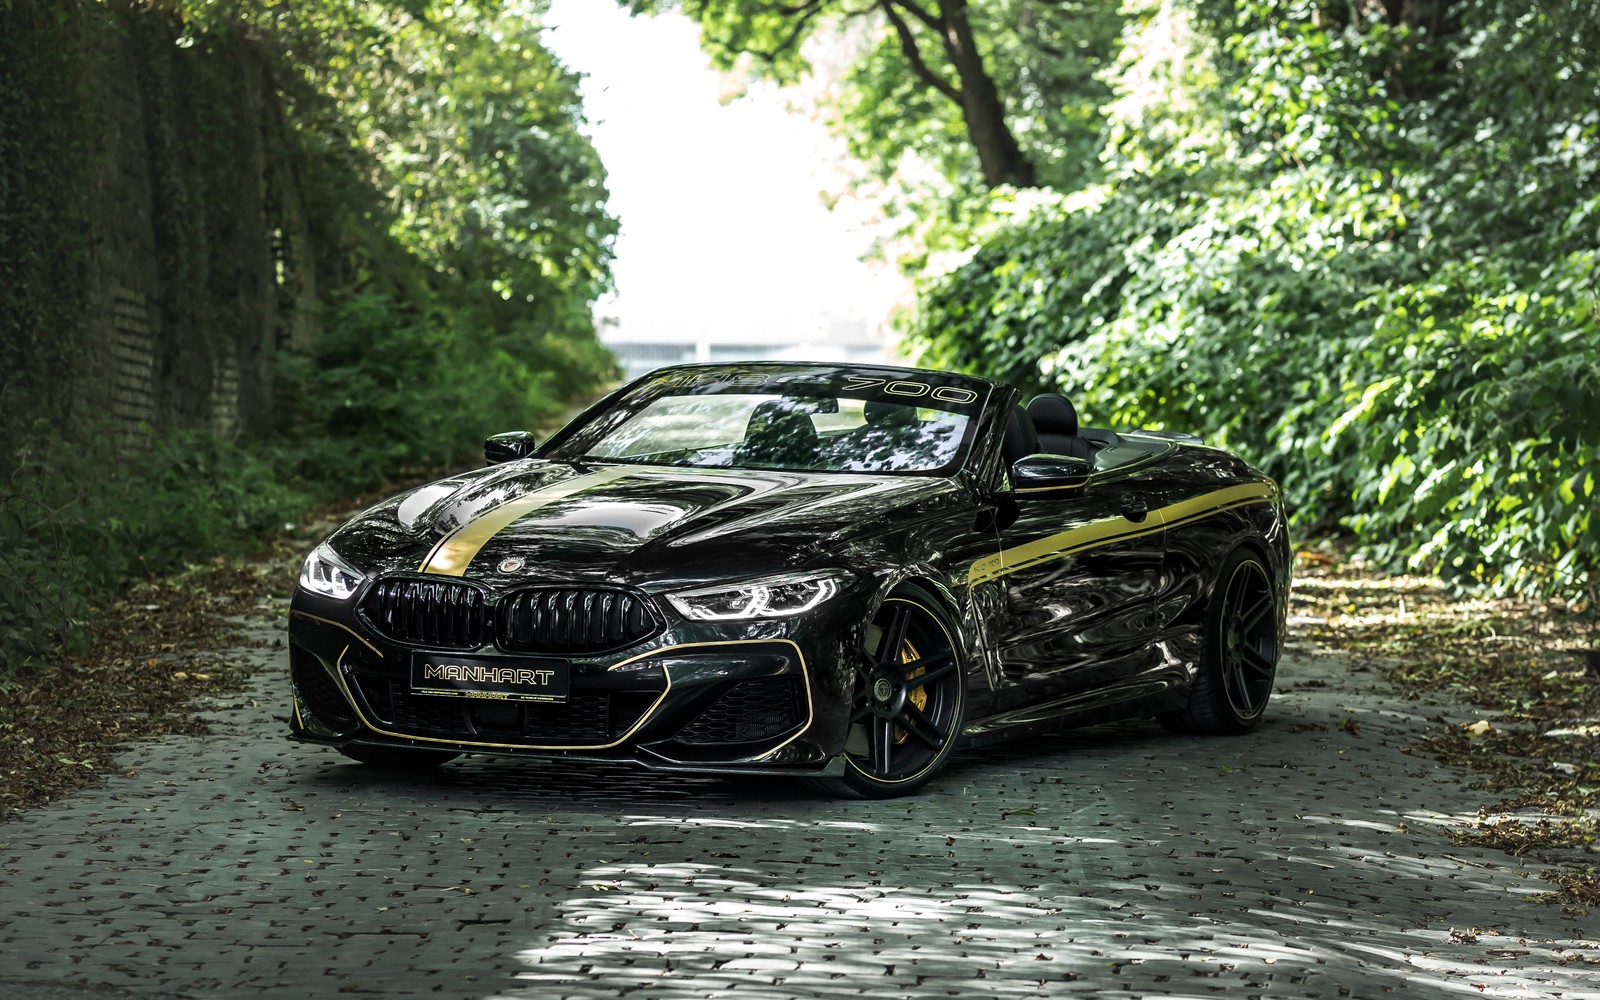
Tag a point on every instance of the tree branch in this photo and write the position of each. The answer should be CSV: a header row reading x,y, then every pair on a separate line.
x,y
918,12
803,14
913,54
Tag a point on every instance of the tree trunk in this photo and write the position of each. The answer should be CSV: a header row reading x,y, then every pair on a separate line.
x,y
999,155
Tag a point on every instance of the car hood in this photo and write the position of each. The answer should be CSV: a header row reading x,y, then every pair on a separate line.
x,y
627,524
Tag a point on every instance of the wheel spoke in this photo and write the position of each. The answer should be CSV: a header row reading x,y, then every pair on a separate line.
x,y
920,726
1241,689
894,634
1256,662
861,712
935,674
1252,617
932,667
882,745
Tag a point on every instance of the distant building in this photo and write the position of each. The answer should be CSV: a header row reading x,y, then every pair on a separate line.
x,y
837,339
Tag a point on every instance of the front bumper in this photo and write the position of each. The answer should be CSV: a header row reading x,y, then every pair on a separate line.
x,y
745,698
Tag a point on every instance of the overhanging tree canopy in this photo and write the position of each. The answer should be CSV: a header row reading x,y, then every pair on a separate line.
x,y
936,40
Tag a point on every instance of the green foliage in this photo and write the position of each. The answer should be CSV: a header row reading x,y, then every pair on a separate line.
x,y
470,313
731,31
1363,252
1046,57
79,515
476,130
1479,430
46,134
434,219
427,397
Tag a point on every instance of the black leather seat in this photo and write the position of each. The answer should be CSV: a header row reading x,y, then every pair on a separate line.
x,y
778,435
1056,421
886,413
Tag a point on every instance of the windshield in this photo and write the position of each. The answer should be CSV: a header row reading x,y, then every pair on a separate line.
x,y
806,420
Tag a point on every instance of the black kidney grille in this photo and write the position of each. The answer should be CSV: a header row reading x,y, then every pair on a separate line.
x,y
572,621
429,612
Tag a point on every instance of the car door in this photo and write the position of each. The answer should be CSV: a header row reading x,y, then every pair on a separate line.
x,y
1080,571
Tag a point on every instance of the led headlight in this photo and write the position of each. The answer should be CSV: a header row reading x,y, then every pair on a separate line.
x,y
326,574
776,598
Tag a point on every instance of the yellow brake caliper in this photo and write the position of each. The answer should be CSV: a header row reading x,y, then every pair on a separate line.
x,y
918,696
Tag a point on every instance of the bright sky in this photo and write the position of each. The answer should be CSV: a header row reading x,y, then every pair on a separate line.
x,y
724,231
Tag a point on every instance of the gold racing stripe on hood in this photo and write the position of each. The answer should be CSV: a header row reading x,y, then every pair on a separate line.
x,y
455,551
1116,529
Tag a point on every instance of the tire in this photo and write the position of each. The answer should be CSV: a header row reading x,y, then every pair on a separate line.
x,y
1240,661
400,760
908,703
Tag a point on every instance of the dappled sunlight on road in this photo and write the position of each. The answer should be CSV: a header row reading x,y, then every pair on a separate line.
x,y
1298,861
925,921
1305,859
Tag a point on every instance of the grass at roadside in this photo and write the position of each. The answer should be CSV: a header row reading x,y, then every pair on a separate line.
x,y
154,652
1530,671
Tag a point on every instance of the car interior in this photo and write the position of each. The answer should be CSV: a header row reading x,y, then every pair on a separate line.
x,y
1049,426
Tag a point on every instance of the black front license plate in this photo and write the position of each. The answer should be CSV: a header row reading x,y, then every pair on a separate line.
x,y
498,677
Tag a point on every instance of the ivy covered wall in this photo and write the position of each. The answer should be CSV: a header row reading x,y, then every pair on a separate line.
x,y
255,252
149,178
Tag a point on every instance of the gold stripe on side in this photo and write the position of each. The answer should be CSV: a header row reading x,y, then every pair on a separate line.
x,y
649,713
1089,536
353,632
1050,489
455,551
1216,502
1056,546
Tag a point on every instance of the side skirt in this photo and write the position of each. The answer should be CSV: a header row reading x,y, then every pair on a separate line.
x,y
1148,697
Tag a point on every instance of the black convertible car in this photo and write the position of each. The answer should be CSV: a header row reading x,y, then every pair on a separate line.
x,y
835,572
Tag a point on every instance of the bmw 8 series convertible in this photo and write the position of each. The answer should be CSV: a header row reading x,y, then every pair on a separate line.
x,y
839,573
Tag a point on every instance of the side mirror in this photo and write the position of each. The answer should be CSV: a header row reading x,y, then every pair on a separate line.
x,y
1050,472
508,447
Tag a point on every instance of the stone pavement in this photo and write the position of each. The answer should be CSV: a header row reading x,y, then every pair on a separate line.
x,y
1303,860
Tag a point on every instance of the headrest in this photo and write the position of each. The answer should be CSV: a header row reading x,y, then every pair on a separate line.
x,y
779,415
886,413
1053,413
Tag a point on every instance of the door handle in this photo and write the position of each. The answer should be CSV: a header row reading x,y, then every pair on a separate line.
x,y
1135,509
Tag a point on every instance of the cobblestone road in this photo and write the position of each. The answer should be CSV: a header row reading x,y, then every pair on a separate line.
x,y
1303,860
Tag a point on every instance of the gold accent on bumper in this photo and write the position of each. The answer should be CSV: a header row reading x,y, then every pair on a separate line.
x,y
329,621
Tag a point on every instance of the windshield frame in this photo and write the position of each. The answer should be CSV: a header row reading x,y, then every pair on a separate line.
x,y
966,395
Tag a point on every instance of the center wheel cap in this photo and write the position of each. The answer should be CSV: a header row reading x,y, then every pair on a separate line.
x,y
882,690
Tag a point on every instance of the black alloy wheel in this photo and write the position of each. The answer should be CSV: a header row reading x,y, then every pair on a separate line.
x,y
1241,653
908,703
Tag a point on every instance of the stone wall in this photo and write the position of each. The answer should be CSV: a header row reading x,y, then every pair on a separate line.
x,y
191,223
